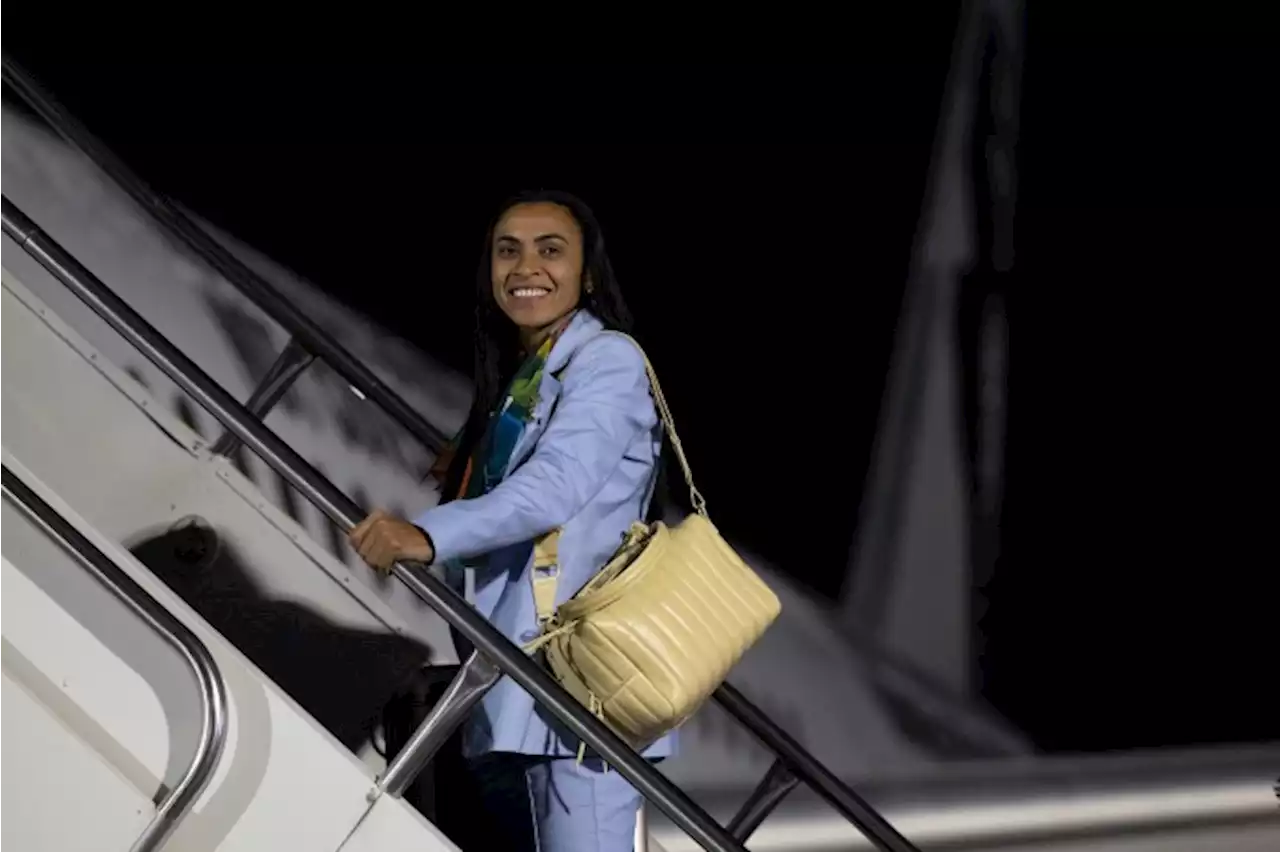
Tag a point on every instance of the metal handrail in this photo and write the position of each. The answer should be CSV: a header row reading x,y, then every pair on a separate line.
x,y
177,802
344,512
305,330
308,340
1046,801
794,762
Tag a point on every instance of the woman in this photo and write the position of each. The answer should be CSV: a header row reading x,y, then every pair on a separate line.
x,y
563,433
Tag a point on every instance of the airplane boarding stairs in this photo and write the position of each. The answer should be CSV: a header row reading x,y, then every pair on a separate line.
x,y
104,660
83,428
101,686
102,706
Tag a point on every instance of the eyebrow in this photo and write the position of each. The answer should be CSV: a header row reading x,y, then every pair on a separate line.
x,y
538,239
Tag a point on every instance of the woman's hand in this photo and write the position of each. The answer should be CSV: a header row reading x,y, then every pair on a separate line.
x,y
383,539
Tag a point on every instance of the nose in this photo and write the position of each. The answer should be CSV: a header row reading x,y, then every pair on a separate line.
x,y
526,268
528,265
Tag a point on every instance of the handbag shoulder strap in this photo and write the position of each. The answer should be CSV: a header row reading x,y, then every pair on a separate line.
x,y
546,549
668,423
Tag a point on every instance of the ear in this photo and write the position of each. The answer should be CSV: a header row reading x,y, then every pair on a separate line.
x,y
588,286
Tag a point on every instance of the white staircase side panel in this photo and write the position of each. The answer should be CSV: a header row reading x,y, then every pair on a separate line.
x,y
218,327
282,782
134,470
92,440
44,762
82,676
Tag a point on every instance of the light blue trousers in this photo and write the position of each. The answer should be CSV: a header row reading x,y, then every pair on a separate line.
x,y
557,805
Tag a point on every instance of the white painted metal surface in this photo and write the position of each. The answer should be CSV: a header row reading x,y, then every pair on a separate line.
x,y
97,716
41,753
163,467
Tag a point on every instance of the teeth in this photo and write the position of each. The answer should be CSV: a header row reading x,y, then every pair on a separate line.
x,y
529,292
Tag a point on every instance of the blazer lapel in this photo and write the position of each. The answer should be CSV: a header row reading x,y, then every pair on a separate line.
x,y
548,393
581,328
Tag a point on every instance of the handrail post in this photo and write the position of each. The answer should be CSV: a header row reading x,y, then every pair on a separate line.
x,y
292,361
178,801
544,690
472,682
820,779
768,794
641,843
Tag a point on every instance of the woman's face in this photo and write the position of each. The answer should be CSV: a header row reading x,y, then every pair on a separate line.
x,y
537,264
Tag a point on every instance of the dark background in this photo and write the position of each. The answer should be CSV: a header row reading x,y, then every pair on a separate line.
x,y
756,249
1132,605
761,218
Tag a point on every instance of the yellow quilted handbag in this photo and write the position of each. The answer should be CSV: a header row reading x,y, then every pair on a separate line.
x,y
646,642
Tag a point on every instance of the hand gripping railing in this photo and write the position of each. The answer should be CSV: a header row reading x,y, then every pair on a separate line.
x,y
307,342
493,650
177,802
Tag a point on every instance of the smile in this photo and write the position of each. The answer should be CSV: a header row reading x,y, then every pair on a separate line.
x,y
529,292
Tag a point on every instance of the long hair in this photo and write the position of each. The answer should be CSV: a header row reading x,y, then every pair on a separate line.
x,y
497,345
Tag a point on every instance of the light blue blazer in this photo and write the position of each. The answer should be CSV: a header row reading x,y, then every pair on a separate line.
x,y
586,463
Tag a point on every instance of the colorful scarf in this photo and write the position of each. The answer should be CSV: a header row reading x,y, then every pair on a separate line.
x,y
488,464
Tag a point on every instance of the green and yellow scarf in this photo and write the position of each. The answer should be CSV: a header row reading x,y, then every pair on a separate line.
x,y
488,463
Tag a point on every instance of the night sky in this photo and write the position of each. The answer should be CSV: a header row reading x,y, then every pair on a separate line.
x,y
761,221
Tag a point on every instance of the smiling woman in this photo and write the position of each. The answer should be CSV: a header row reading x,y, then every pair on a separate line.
x,y
537,268
563,435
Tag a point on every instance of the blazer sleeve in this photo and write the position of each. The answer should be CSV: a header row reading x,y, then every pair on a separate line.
x,y
604,406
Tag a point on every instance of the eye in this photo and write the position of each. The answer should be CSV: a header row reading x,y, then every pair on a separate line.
x,y
506,251
551,251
